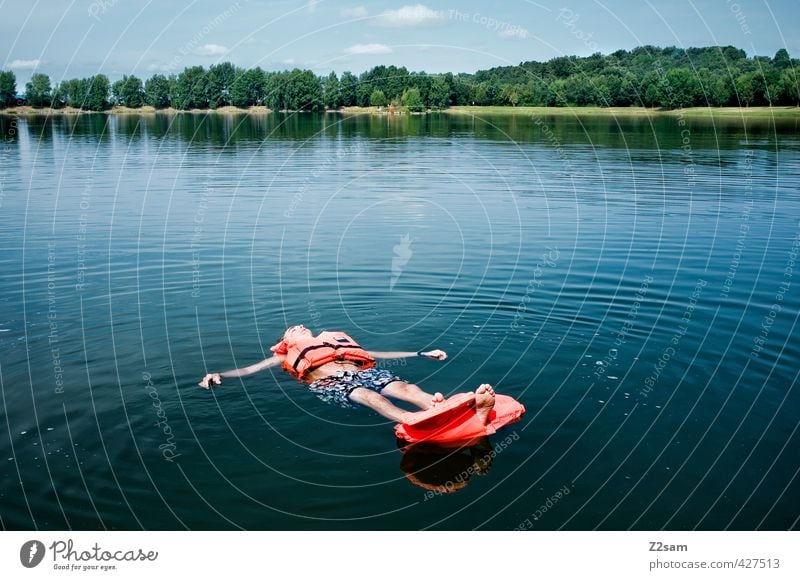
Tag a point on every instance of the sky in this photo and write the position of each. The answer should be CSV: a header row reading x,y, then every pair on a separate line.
x,y
79,38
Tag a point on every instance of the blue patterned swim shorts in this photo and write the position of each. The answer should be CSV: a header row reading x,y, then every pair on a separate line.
x,y
337,388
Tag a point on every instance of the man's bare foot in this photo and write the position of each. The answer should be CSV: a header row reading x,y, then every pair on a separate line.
x,y
484,402
437,398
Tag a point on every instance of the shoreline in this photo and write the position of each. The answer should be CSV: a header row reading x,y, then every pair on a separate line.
x,y
692,112
27,111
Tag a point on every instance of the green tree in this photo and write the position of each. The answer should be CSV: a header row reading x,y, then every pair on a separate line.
x,y
601,90
781,61
668,77
116,89
608,91
789,88
220,79
594,65
248,88
579,90
38,91
377,98
451,91
8,89
766,85
493,93
459,91
629,91
773,92
562,66
478,94
745,89
128,92
652,90
683,88
397,80
156,92
59,99
331,92
439,93
190,89
706,83
375,78
97,93
510,95
557,93
72,92
536,90
363,92
412,100
733,55
348,89
275,90
657,77
303,91
422,81
134,92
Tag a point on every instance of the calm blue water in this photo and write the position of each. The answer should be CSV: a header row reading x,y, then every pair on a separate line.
x,y
634,283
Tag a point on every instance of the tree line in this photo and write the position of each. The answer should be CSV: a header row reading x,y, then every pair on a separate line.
x,y
645,76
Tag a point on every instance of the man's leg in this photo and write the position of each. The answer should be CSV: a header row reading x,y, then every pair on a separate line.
x,y
412,394
484,397
377,402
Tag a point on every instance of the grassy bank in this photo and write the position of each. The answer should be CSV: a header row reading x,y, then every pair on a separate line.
x,y
695,112
704,112
374,111
29,111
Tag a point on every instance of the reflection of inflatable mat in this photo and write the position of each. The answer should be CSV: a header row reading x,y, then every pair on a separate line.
x,y
455,420
442,469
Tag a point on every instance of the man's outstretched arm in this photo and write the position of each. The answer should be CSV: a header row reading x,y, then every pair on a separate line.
x,y
435,354
212,379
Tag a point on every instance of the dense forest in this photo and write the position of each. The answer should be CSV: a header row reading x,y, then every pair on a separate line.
x,y
647,76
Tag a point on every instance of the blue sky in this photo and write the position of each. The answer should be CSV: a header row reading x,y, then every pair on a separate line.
x,y
78,38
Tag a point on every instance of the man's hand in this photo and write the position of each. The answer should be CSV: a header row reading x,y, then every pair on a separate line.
x,y
210,380
437,354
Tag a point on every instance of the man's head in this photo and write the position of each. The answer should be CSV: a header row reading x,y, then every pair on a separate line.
x,y
295,332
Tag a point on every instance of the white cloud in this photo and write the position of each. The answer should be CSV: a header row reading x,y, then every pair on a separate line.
x,y
211,50
416,15
24,64
164,67
288,61
312,5
368,49
356,12
514,32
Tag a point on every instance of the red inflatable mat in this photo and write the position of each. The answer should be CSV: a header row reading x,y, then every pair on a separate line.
x,y
455,420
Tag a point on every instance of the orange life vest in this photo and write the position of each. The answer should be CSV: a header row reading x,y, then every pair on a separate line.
x,y
307,354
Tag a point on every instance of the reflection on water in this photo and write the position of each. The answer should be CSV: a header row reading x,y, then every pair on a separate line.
x,y
631,281
441,469
229,129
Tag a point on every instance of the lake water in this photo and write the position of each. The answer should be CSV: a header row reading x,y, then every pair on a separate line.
x,y
634,283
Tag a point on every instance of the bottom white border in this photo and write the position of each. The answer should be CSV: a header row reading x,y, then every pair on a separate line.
x,y
396,555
